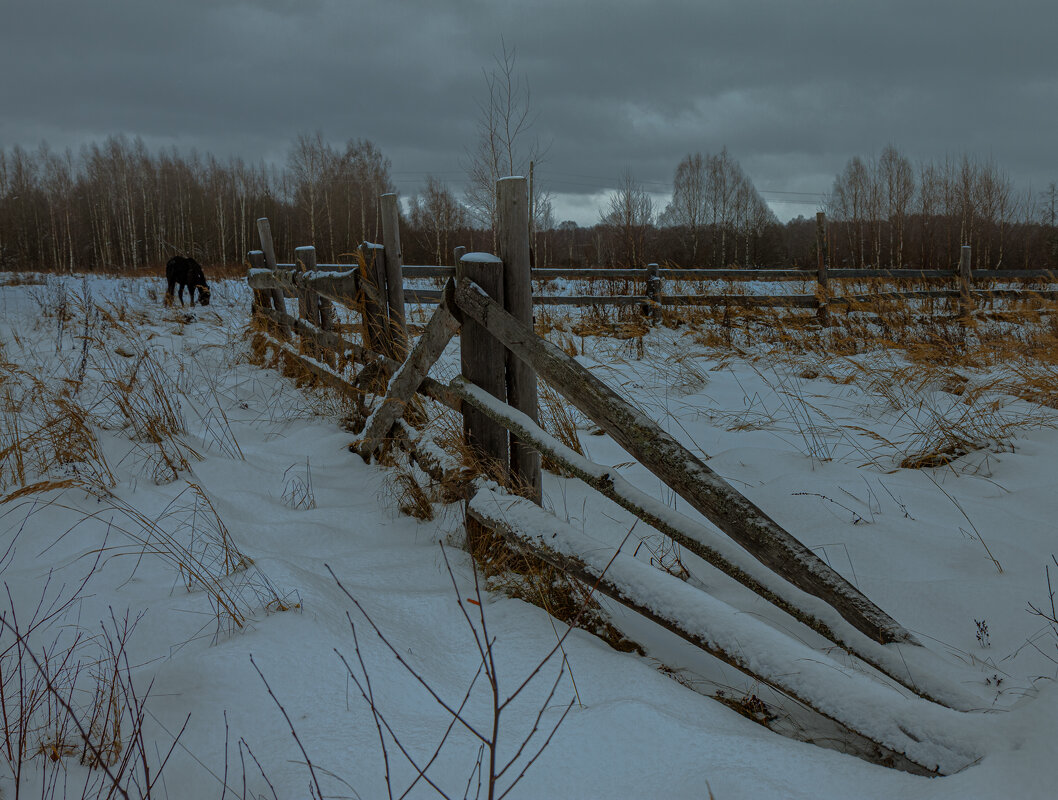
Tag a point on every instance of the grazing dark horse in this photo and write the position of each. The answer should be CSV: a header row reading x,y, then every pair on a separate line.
x,y
186,273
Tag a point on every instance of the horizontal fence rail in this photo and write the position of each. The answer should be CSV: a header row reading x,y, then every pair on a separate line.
x,y
727,274
338,282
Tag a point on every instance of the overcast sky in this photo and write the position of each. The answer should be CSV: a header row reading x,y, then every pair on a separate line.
x,y
793,88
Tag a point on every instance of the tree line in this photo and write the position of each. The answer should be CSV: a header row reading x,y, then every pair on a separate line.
x,y
116,206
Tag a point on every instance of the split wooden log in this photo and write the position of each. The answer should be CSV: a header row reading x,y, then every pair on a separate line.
x,y
681,470
341,287
443,468
443,325
913,671
914,735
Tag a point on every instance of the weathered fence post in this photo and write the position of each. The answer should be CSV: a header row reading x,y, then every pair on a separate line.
x,y
264,230
261,298
394,263
823,283
373,282
482,358
326,309
965,299
653,308
308,300
512,206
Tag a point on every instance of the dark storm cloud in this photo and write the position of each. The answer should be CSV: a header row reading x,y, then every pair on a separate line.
x,y
792,89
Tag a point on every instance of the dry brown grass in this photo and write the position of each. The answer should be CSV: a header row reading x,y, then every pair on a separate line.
x,y
951,387
559,419
46,434
147,399
525,577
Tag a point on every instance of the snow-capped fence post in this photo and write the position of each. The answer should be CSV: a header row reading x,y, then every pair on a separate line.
x,y
264,230
373,284
262,298
965,298
394,265
822,281
512,241
482,358
652,309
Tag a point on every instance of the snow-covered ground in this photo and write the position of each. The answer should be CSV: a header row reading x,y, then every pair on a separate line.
x,y
261,476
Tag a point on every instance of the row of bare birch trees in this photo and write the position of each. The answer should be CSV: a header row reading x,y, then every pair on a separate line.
x,y
116,206
888,213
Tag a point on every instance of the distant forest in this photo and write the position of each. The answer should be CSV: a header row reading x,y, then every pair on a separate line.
x,y
117,207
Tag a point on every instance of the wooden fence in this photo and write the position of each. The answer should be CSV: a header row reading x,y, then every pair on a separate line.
x,y
653,277
487,301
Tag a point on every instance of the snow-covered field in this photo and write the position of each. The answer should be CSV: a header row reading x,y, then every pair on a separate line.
x,y
215,505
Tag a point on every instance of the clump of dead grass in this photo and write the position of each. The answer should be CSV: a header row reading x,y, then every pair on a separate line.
x,y
559,420
297,487
46,434
147,400
523,576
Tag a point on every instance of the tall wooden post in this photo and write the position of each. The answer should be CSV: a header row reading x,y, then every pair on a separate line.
x,y
376,317
965,299
821,267
512,206
482,358
394,264
264,230
308,300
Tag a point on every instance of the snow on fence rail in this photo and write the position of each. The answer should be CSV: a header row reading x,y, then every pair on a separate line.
x,y
487,301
